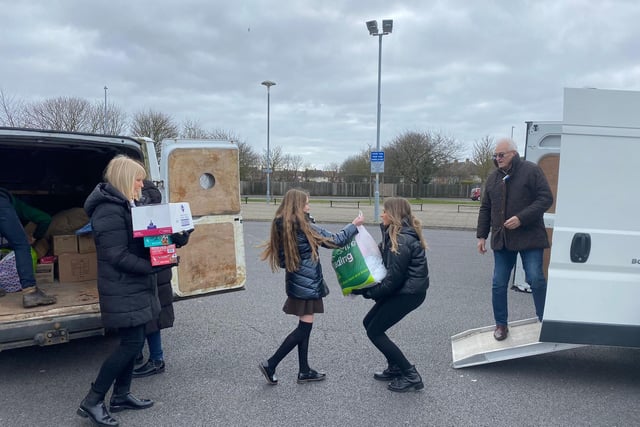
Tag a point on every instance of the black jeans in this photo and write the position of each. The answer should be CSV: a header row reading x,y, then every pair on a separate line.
x,y
118,367
384,314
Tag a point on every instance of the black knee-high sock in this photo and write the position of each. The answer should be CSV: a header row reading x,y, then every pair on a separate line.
x,y
290,342
303,346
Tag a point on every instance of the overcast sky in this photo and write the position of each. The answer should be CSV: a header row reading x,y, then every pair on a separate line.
x,y
466,69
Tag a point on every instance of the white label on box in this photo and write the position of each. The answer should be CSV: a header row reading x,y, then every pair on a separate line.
x,y
167,218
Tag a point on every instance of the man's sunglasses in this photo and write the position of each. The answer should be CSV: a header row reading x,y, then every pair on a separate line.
x,y
499,155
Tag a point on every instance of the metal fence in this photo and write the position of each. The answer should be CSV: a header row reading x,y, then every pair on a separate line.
x,y
342,189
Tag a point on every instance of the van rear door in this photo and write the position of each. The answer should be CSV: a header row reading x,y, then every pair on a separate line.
x,y
593,294
206,174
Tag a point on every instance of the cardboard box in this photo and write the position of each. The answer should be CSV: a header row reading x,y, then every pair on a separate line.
x,y
77,267
86,244
167,218
65,244
44,273
161,240
163,255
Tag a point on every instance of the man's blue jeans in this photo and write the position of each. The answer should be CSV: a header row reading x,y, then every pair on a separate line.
x,y
11,229
504,262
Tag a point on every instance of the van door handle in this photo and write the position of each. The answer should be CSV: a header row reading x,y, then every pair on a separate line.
x,y
580,247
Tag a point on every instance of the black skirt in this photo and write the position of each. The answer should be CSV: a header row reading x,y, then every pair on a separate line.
x,y
300,307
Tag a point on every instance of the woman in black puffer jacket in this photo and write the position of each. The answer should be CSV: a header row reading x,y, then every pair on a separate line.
x,y
293,245
126,287
403,290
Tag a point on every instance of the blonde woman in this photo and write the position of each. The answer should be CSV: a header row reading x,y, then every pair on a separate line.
x,y
293,245
403,290
126,287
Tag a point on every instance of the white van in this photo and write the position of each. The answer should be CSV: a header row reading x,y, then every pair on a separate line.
x,y
591,160
56,171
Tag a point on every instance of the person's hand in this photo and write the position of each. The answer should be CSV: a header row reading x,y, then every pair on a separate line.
x,y
362,291
482,246
512,223
180,239
359,220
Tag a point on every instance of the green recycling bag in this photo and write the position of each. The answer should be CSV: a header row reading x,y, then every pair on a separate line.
x,y
358,264
350,267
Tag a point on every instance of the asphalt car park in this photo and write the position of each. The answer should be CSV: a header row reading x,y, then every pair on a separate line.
x,y
213,350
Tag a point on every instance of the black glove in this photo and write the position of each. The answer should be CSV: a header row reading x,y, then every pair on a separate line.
x,y
181,239
362,291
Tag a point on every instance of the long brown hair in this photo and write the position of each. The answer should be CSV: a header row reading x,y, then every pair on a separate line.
x,y
397,210
289,219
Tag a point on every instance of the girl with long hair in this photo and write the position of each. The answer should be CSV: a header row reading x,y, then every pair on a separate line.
x,y
403,290
293,245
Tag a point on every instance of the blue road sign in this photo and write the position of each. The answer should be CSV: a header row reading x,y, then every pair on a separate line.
x,y
377,162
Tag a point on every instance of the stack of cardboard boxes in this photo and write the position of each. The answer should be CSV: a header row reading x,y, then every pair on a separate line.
x,y
76,255
155,223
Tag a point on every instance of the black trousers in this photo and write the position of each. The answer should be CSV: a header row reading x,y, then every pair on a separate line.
x,y
384,314
118,367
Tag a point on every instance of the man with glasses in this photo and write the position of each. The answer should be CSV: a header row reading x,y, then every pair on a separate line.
x,y
515,199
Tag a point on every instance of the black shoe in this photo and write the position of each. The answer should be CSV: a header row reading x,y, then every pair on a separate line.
x,y
408,381
139,359
2,292
269,374
311,376
128,401
152,367
392,371
93,407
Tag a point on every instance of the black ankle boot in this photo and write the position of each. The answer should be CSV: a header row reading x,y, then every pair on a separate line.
x,y
409,380
392,371
122,399
93,407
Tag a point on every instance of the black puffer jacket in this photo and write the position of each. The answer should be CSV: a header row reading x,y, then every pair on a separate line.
x,y
407,270
306,282
523,192
126,279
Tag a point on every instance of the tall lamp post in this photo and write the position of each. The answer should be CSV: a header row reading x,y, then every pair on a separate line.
x,y
104,119
387,27
268,84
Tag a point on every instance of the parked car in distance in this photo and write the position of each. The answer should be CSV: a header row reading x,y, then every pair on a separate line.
x,y
475,193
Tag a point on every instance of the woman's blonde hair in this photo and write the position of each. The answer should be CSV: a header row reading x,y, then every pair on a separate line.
x,y
398,211
289,219
122,172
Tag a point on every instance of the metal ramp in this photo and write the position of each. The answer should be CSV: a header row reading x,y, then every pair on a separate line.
x,y
478,347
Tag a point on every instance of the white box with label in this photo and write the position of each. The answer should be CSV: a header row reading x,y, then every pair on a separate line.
x,y
166,218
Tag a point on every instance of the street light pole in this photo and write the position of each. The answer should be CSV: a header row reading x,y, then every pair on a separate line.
x,y
387,27
104,118
268,84
512,132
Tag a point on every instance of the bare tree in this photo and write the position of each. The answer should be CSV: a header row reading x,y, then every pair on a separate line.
x,y
62,113
115,123
417,156
482,152
275,159
356,168
11,111
291,165
192,129
249,161
154,125
332,171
